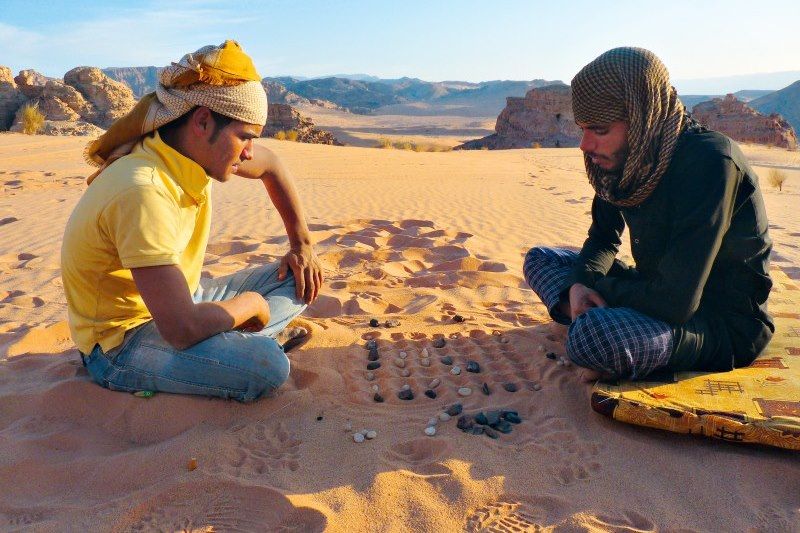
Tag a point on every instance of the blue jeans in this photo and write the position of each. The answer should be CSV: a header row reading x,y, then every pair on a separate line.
x,y
231,364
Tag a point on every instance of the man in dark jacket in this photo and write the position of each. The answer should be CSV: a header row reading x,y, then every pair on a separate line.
x,y
696,298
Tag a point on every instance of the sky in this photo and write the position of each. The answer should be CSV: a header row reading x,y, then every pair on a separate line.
x,y
434,40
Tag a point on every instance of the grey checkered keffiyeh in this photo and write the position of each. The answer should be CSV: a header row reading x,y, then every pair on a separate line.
x,y
630,84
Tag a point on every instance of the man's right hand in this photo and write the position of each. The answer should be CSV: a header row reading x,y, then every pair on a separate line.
x,y
582,298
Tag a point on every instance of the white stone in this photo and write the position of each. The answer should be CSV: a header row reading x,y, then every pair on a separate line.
x,y
370,376
425,362
425,352
403,355
433,421
376,388
405,373
435,382
358,437
405,387
400,363
430,431
464,391
371,434
504,340
536,386
456,370
348,426
444,417
541,347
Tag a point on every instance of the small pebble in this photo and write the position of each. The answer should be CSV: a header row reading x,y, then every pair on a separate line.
x,y
370,376
374,323
391,323
371,434
430,394
378,398
192,465
458,318
376,388
425,362
405,394
504,340
403,355
405,373
473,366
425,353
439,343
477,430
559,363
447,360
364,432
444,417
536,386
433,421
358,437
348,427
541,347
502,426
456,370
464,391
405,387
371,344
551,355
430,431
400,363
510,387
512,417
492,417
373,365
435,382
486,390
319,418
465,423
455,409
490,433
373,355
567,362
481,419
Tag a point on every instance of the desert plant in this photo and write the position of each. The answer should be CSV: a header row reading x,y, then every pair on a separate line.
x,y
32,119
404,145
281,135
536,145
776,178
292,135
484,147
383,142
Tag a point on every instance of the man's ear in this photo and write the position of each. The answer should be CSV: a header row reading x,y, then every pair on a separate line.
x,y
201,123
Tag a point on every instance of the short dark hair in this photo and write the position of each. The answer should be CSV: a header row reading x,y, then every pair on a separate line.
x,y
170,128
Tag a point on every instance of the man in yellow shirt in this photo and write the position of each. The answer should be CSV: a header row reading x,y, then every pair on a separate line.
x,y
139,312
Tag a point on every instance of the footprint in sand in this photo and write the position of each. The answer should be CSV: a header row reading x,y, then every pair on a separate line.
x,y
420,455
207,505
258,450
515,512
624,522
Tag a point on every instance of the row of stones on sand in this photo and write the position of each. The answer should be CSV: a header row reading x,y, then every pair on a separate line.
x,y
407,394
488,423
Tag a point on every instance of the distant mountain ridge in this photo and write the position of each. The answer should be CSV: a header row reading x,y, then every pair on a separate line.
x,y
785,102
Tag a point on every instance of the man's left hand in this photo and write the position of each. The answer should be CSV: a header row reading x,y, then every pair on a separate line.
x,y
307,272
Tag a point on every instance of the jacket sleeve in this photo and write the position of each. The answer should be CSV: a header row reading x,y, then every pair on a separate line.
x,y
703,199
601,246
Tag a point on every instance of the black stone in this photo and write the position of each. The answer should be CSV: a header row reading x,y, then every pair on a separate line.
x,y
455,409
511,416
503,427
373,355
478,430
510,387
391,323
430,393
405,394
447,360
486,390
371,344
378,398
374,323
373,365
465,423
458,318
319,418
492,417
473,366
551,355
439,343
492,434
481,419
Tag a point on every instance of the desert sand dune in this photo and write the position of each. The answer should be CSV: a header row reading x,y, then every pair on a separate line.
x,y
416,237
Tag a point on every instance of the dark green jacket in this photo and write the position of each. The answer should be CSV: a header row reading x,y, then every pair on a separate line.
x,y
701,247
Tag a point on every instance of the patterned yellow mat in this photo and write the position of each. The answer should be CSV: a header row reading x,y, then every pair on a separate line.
x,y
757,404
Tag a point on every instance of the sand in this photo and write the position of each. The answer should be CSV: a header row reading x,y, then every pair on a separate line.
x,y
418,237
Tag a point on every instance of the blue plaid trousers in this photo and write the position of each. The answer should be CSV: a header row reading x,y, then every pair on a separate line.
x,y
620,341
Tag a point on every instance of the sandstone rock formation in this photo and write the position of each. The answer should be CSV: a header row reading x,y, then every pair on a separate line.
x,y
543,116
10,98
110,99
283,117
742,123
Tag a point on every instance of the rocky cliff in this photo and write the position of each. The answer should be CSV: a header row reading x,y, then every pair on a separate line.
x,y
283,117
785,102
742,123
10,98
544,116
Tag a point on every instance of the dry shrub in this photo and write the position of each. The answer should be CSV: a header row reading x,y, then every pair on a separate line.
x,y
404,145
485,148
536,145
32,119
281,135
383,142
292,135
431,147
776,178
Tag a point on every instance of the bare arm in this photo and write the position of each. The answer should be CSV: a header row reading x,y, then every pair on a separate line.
x,y
184,323
267,166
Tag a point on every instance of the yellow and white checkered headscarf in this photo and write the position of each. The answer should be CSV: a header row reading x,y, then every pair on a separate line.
x,y
630,84
222,78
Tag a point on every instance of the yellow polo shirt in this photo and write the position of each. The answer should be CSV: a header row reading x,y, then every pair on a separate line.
x,y
149,208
